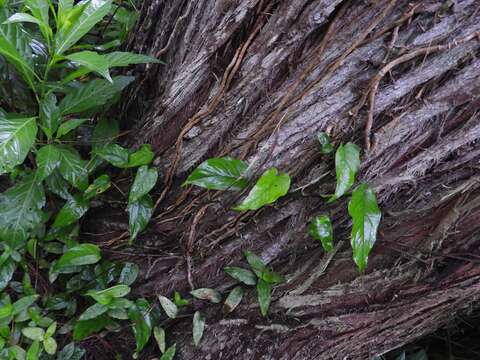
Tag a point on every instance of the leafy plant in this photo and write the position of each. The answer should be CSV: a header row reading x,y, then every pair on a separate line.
x,y
320,229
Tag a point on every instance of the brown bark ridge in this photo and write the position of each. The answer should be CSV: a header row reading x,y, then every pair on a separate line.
x,y
257,79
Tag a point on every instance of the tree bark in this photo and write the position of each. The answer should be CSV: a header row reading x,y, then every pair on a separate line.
x,y
256,80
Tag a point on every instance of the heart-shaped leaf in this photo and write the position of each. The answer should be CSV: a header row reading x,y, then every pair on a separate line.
x,y
145,180
320,229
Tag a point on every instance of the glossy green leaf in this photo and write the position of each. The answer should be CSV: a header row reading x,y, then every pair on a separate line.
x,y
33,333
325,146
168,306
264,294
99,186
73,168
68,126
141,323
198,327
145,180
128,274
320,229
219,174
57,185
211,295
50,346
72,211
82,329
34,351
115,154
139,214
119,58
170,353
6,273
270,187
92,94
21,210
233,299
48,159
51,330
347,163
366,216
39,9
106,296
50,116
142,156
63,9
72,31
92,61
243,275
93,311
261,270
16,138
83,254
23,17
23,304
159,335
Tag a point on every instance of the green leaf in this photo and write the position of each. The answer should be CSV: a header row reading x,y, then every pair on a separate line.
x,y
92,61
119,58
23,304
82,329
23,17
48,159
73,210
16,138
159,335
50,116
106,296
83,254
219,174
170,353
99,185
6,310
39,9
50,346
93,311
211,295
366,216
325,146
270,187
347,163
143,156
34,350
139,214
168,306
6,274
21,210
256,263
73,168
233,299
243,275
104,133
264,294
57,185
92,94
51,330
145,180
114,154
70,33
33,333
64,8
128,274
142,323
320,229
198,327
178,300
68,126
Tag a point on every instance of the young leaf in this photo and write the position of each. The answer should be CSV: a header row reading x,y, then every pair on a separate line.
x,y
211,295
347,163
145,180
73,210
114,154
83,254
142,323
34,350
106,296
366,217
233,299
23,304
198,327
320,229
92,94
119,58
219,174
168,306
51,330
50,116
270,187
139,214
92,61
264,294
17,136
178,300
159,335
243,275
170,353
68,126
73,168
48,159
142,156
33,333
50,346
99,185
93,311
325,146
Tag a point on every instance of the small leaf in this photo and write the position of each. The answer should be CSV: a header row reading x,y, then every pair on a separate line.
x,y
142,156
366,216
83,254
140,213
211,295
320,229
99,185
233,299
325,146
243,275
198,327
168,306
93,311
159,335
145,180
347,163
51,330
270,187
68,126
256,263
23,304
129,273
114,154
50,346
33,333
50,116
73,210
142,323
82,329
178,300
73,168
34,350
219,174
48,159
264,294
92,61
106,296
170,353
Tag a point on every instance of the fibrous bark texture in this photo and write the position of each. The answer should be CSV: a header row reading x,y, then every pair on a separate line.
x,y
257,79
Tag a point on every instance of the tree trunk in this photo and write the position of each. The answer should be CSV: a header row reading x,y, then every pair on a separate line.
x,y
256,80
